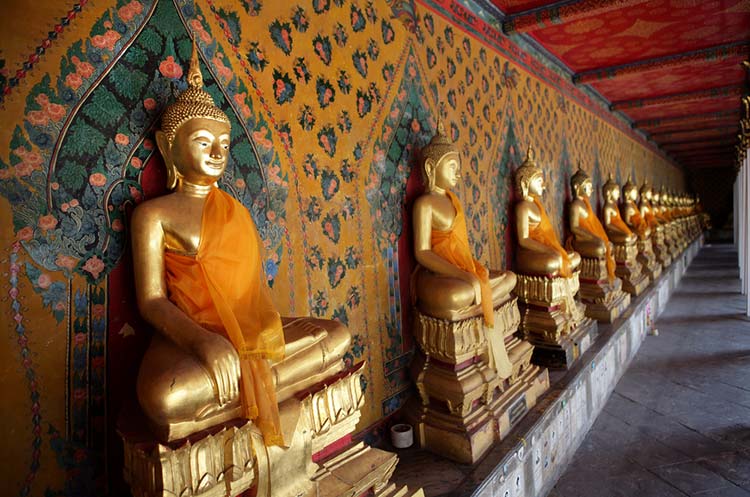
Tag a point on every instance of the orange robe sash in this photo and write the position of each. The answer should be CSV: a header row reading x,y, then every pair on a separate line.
x,y
223,288
592,224
618,223
545,234
651,219
639,224
453,246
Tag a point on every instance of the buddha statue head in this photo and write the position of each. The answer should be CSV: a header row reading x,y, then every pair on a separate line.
x,y
655,197
580,184
441,161
630,191
611,190
194,136
645,192
529,178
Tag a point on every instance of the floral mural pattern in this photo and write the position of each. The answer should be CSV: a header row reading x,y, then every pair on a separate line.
x,y
329,101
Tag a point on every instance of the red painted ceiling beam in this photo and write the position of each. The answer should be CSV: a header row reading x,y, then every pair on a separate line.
x,y
674,133
719,140
692,147
560,13
690,118
719,52
698,138
719,92
698,155
717,156
680,127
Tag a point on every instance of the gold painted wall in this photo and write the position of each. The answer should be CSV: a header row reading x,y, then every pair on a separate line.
x,y
330,100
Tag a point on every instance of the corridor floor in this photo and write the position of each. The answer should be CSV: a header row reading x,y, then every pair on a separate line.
x,y
678,422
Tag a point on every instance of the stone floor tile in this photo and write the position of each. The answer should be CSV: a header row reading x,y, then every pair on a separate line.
x,y
691,477
734,466
678,420
732,491
651,453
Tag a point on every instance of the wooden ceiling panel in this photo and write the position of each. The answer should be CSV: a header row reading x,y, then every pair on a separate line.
x,y
690,76
683,108
645,30
672,67
514,6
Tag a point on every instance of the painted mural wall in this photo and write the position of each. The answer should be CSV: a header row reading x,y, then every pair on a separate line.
x,y
329,101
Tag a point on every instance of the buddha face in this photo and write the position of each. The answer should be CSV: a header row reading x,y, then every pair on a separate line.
x,y
536,185
447,171
200,150
631,194
612,194
585,189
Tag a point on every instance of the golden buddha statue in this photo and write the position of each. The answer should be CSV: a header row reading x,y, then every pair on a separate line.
x,y
465,325
551,317
588,237
628,269
539,251
659,206
220,351
638,224
657,230
601,289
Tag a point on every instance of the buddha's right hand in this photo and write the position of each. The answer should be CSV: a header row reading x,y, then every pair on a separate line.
x,y
476,284
221,360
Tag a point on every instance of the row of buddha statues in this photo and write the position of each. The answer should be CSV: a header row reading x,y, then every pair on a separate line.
x,y
487,337
235,397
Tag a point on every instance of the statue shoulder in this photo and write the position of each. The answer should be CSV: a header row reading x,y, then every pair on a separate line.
x,y
423,204
153,211
577,203
525,207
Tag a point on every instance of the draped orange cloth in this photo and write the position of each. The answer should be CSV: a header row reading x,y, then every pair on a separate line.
x,y
545,234
223,288
618,223
638,222
453,246
651,219
592,224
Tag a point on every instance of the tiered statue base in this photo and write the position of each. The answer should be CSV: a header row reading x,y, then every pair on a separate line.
x,y
464,407
553,321
672,241
230,458
647,258
660,248
605,301
629,270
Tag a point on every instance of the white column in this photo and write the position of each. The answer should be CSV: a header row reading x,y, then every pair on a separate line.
x,y
736,213
741,225
746,231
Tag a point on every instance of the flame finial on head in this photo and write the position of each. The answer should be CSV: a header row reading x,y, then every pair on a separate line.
x,y
195,102
526,172
579,179
610,186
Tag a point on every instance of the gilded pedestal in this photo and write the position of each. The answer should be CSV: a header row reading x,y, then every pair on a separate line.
x,y
605,301
231,458
463,407
646,256
660,248
552,320
629,270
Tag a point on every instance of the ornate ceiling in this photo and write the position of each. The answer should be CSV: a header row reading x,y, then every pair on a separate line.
x,y
671,67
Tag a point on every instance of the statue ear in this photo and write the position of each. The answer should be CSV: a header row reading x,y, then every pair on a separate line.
x,y
166,152
429,173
